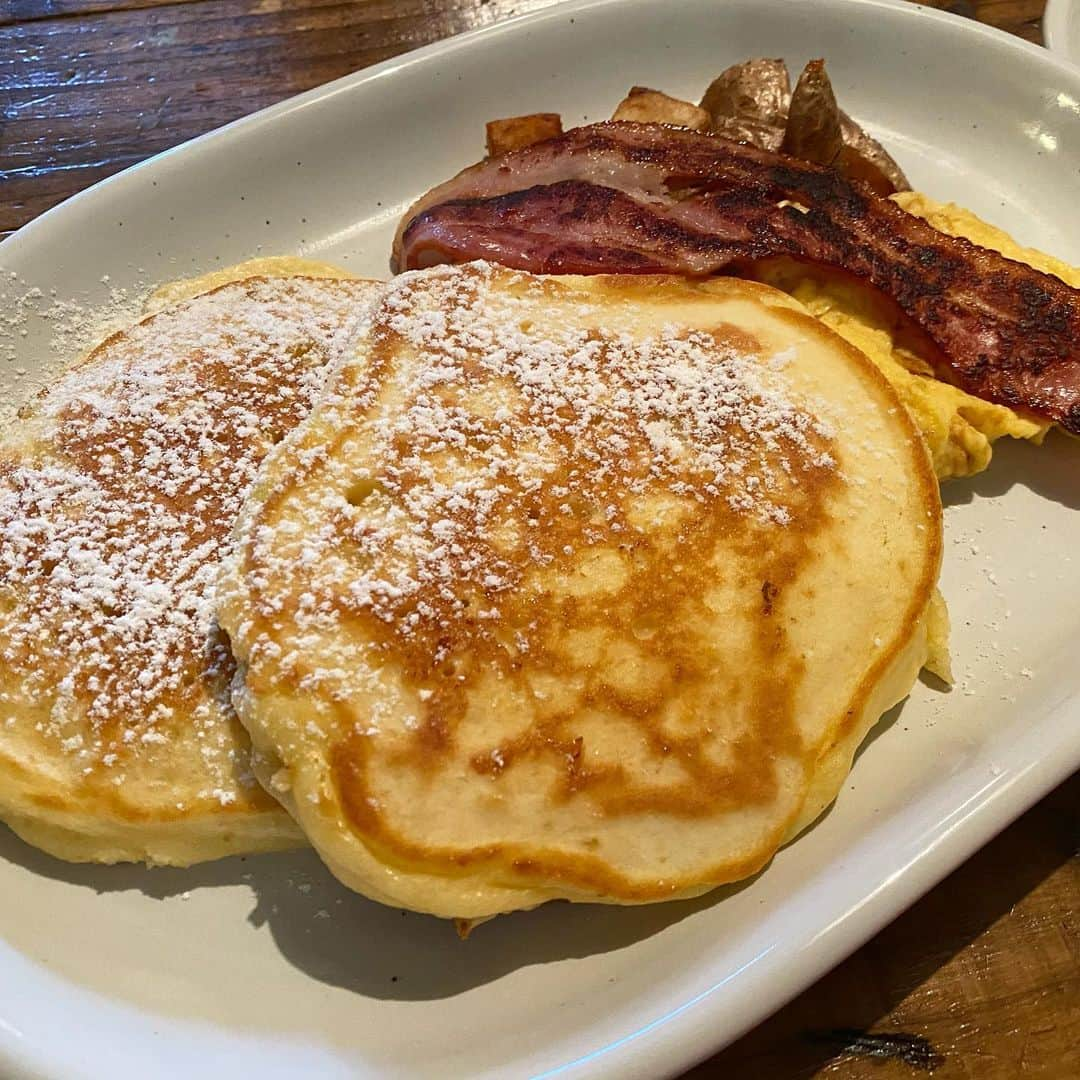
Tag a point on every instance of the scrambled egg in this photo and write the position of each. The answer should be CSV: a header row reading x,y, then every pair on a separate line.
x,y
938,661
959,428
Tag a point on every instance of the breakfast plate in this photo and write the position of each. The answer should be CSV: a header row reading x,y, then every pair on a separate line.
x,y
1061,28
265,965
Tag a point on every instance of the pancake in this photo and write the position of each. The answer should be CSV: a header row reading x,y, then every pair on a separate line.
x,y
579,588
118,490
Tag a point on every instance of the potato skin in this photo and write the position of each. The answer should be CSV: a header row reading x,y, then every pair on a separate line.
x,y
748,102
819,130
812,131
864,158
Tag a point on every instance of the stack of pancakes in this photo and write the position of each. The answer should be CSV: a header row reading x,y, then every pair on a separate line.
x,y
580,588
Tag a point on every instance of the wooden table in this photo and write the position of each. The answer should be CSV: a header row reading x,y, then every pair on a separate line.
x,y
981,979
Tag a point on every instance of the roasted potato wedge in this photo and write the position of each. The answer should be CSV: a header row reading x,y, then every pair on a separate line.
x,y
864,158
517,131
646,106
749,102
812,131
752,102
819,130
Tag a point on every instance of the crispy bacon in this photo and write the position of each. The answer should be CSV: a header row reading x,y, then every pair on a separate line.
x,y
644,198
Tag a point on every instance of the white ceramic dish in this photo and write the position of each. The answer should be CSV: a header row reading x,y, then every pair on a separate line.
x,y
1061,28
265,967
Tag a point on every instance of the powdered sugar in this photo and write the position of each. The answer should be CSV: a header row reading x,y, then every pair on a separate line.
x,y
72,329
514,439
117,497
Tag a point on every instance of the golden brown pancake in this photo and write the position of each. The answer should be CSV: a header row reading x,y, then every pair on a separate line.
x,y
578,587
118,491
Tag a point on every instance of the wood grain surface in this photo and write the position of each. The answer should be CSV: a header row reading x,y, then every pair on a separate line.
x,y
981,979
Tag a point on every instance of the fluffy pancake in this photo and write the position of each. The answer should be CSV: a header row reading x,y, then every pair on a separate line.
x,y
578,587
118,491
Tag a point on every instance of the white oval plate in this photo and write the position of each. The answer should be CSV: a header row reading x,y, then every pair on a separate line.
x,y
1061,28
265,967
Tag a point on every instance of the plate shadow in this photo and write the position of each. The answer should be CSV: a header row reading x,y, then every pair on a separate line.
x,y
1051,470
339,938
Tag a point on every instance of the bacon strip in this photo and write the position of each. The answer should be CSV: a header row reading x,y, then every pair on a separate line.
x,y
645,198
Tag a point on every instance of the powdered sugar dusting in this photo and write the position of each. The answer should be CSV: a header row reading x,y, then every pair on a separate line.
x,y
507,439
117,498
72,329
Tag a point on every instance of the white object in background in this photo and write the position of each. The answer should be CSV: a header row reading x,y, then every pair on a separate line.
x,y
1061,28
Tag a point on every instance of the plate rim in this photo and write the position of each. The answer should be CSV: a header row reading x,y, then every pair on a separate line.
x,y
671,1043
